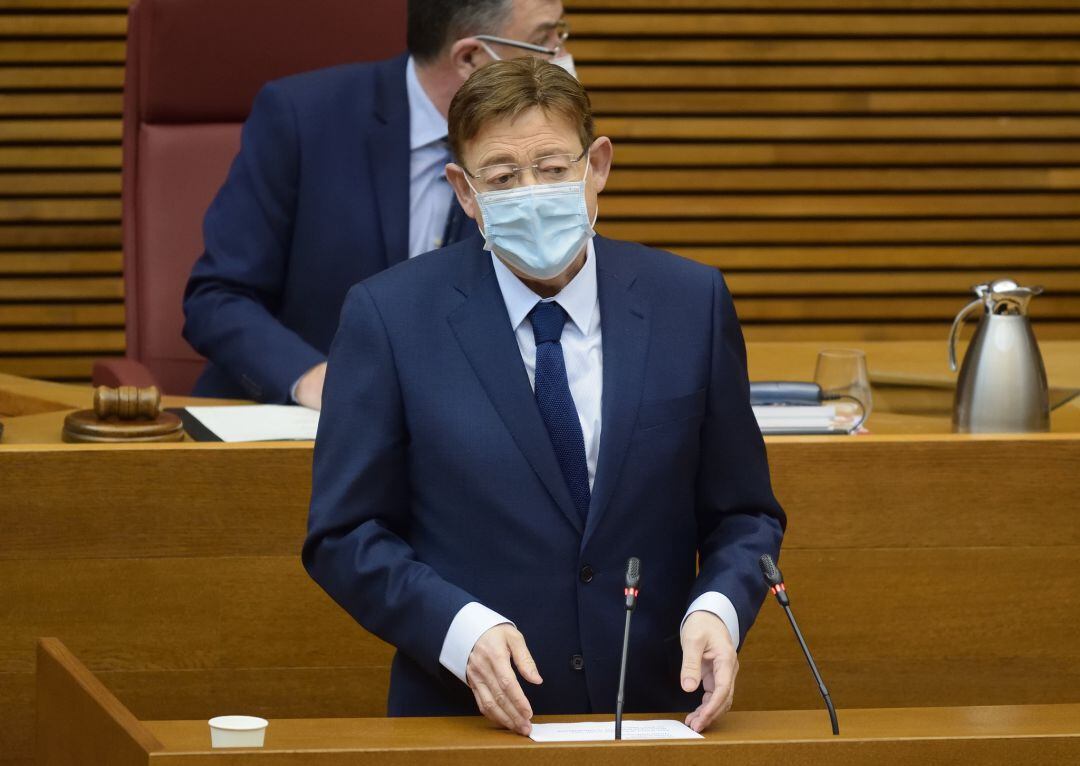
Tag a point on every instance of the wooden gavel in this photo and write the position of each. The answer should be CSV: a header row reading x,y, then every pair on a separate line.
x,y
127,402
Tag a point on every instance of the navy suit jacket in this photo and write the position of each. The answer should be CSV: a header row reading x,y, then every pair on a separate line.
x,y
435,482
316,201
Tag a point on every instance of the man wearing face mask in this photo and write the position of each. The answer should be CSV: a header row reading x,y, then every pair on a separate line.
x,y
509,419
340,175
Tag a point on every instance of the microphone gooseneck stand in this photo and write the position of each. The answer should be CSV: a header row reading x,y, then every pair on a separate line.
x,y
775,581
633,578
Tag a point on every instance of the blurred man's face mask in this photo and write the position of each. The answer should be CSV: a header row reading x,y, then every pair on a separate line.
x,y
560,57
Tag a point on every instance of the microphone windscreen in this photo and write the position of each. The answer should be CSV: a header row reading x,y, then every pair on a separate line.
x,y
633,572
768,569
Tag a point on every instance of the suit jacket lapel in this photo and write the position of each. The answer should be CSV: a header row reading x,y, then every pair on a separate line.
x,y
483,330
388,154
625,330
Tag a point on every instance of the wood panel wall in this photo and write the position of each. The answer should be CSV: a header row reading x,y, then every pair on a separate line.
x,y
852,165
61,83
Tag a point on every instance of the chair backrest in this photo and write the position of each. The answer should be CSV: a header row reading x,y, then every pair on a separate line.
x,y
193,69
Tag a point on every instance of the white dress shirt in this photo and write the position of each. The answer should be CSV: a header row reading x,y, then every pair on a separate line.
x,y
430,193
584,356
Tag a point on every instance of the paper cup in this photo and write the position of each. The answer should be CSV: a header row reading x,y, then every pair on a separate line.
x,y
237,731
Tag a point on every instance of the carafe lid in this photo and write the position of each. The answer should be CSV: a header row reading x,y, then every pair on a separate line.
x,y
1005,296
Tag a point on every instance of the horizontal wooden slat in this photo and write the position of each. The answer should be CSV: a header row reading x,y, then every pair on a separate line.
x,y
800,5
802,206
910,24
60,235
45,262
990,153
68,25
60,104
819,332
42,5
65,52
868,75
69,77
61,315
51,367
913,257
846,179
703,232
853,102
68,288
890,283
808,307
46,341
846,128
91,209
21,184
51,131
818,50
60,157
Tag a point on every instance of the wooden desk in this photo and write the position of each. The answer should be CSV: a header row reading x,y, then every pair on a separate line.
x,y
80,721
918,566
33,411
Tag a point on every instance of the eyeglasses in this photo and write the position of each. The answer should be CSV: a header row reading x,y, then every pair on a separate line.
x,y
546,170
562,34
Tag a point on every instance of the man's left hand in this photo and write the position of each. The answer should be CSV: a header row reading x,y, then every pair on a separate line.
x,y
709,659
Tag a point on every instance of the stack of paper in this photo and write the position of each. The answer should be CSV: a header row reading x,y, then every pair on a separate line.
x,y
599,731
799,419
258,423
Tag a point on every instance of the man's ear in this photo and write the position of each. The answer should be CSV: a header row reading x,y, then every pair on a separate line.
x,y
467,55
455,174
600,155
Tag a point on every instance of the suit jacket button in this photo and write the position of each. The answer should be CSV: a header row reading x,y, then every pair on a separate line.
x,y
577,662
586,574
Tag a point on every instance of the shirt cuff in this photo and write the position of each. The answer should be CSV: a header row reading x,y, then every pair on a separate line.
x,y
472,621
292,389
721,606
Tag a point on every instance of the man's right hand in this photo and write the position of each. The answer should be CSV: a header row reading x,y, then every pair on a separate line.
x,y
309,388
491,677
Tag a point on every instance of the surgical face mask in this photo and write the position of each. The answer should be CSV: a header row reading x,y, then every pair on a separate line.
x,y
537,229
564,61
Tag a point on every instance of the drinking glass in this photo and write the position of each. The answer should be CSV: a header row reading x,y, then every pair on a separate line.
x,y
842,375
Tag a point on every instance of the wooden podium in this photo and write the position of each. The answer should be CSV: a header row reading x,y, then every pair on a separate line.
x,y
80,722
173,570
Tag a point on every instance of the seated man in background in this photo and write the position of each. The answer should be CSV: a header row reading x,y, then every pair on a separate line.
x,y
340,174
508,419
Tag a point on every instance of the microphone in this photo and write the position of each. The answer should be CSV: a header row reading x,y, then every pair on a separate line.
x,y
775,581
633,579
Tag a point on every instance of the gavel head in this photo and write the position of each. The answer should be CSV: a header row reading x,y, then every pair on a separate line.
x,y
127,402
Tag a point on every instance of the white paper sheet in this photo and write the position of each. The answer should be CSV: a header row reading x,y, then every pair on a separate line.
x,y
259,423
822,419
598,731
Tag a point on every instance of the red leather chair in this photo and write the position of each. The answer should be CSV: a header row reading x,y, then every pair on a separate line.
x,y
193,69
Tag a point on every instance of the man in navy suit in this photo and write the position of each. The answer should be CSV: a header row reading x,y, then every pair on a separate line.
x,y
340,175
508,419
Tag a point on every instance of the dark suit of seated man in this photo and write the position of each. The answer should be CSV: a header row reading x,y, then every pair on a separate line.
x,y
508,419
340,175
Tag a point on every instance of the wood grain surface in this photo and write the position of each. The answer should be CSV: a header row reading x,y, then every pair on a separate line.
x,y
918,567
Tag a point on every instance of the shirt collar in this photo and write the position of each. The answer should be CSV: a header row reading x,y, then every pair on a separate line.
x,y
578,298
426,124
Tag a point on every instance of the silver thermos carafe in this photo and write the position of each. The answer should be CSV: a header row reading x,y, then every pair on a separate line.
x,y
1002,383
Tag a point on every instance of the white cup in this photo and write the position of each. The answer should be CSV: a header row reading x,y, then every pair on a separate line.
x,y
237,731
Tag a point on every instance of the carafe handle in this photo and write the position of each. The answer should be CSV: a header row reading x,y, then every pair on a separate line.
x,y
954,334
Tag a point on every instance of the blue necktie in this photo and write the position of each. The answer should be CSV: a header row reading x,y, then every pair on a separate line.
x,y
556,403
